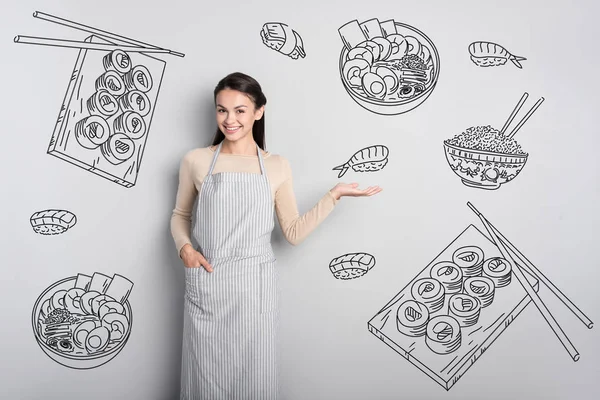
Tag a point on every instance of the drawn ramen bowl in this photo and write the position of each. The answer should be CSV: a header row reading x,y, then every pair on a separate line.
x,y
483,169
394,107
74,361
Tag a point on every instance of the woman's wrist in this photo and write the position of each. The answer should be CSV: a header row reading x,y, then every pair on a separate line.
x,y
186,247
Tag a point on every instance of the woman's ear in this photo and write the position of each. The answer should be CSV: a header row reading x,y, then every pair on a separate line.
x,y
259,113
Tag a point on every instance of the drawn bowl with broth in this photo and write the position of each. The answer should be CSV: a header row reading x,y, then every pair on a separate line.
x,y
484,158
83,326
387,67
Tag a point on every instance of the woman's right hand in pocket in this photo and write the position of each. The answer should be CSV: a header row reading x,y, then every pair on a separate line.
x,y
193,259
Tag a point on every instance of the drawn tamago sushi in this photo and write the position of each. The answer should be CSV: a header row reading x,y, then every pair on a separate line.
x,y
411,318
449,275
481,288
443,334
498,270
469,259
351,265
369,159
464,308
429,292
52,222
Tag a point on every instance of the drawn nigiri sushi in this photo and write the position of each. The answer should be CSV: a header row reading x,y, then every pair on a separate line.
x,y
369,159
488,54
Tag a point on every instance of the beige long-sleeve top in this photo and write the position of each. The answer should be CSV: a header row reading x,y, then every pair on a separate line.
x,y
194,167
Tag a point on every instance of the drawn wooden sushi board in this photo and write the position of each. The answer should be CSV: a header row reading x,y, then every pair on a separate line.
x,y
439,322
105,117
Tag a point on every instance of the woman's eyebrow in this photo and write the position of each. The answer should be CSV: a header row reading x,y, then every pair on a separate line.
x,y
240,106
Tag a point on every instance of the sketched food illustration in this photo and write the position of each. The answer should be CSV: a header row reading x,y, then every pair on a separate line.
x,y
83,321
488,54
283,39
104,121
52,222
484,157
370,159
351,265
443,320
387,67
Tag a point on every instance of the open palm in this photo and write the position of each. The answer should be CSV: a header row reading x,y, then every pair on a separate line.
x,y
351,189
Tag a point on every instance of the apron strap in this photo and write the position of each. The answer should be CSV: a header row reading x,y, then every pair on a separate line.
x,y
260,160
218,150
214,160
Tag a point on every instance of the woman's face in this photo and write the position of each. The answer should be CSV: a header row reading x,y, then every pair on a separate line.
x,y
236,114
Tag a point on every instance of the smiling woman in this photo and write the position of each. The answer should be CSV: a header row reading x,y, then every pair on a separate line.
x,y
230,314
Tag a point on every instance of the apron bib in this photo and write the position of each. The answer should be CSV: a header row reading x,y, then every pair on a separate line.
x,y
230,314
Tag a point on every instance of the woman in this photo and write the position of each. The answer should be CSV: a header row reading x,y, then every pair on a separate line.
x,y
230,300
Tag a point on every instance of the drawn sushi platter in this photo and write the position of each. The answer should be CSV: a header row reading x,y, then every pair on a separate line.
x,y
387,67
83,321
104,121
446,317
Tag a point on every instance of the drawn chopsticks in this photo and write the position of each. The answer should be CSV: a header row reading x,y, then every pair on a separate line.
x,y
529,289
526,117
135,45
84,45
538,274
516,110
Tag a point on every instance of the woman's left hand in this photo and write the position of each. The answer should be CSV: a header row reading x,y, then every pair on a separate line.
x,y
351,189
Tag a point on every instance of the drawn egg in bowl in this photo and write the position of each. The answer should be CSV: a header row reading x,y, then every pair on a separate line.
x,y
83,322
387,67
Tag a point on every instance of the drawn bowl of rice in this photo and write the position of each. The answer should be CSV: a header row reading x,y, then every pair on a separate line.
x,y
484,158
80,326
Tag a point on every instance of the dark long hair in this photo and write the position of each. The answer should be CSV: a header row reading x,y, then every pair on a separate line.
x,y
249,86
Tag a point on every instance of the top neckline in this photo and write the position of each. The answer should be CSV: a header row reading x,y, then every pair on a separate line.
x,y
213,150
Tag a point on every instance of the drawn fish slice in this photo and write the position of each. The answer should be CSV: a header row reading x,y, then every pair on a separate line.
x,y
351,265
488,54
369,159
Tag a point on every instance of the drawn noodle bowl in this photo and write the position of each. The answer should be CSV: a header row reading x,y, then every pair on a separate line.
x,y
399,106
483,169
75,361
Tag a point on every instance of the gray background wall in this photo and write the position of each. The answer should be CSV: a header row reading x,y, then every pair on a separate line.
x,y
549,211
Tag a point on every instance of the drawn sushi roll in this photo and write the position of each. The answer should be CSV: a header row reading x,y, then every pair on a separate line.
x,y
52,222
480,287
92,131
135,101
464,308
449,275
498,270
430,292
118,61
138,78
412,318
119,148
130,123
102,103
470,259
112,82
443,334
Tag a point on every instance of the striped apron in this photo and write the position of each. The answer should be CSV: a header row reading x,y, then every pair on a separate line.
x,y
230,316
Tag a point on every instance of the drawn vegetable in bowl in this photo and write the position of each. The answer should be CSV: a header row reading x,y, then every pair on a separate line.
x,y
83,322
387,67
484,157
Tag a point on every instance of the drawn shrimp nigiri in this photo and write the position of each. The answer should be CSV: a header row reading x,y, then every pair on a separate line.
x,y
488,54
369,159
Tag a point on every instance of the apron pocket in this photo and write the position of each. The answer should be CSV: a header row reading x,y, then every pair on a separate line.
x,y
268,288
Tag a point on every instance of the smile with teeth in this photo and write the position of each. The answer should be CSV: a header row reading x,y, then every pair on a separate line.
x,y
232,128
